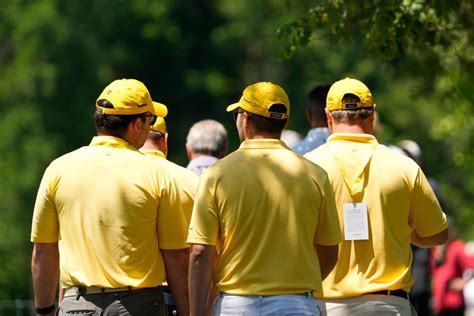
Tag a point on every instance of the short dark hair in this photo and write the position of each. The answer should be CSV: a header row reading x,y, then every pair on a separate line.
x,y
113,125
317,101
155,136
351,115
266,124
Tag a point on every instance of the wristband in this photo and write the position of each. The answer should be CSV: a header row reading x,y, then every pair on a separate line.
x,y
45,310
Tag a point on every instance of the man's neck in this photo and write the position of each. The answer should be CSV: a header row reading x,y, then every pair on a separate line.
x,y
352,129
265,136
125,138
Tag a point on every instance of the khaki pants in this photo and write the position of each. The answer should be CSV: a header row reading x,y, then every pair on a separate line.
x,y
367,305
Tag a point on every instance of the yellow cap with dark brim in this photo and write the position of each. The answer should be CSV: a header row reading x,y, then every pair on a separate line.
x,y
128,97
259,98
159,126
334,99
161,110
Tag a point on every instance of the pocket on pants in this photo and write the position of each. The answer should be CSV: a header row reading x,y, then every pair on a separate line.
x,y
71,306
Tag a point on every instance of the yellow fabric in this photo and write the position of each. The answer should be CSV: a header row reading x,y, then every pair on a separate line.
x,y
159,126
111,208
264,207
345,86
129,96
187,180
398,196
259,97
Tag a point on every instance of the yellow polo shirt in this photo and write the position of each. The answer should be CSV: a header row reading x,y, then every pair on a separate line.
x,y
112,209
265,207
187,180
398,196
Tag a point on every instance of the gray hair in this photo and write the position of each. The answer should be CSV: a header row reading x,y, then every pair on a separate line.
x,y
207,137
347,116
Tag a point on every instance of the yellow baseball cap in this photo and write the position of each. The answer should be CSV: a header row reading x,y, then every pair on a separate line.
x,y
161,110
348,86
159,126
259,97
128,96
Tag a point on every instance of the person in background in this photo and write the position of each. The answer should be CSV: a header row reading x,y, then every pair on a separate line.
x,y
316,116
420,293
109,219
205,144
264,226
468,277
290,137
384,202
156,147
413,150
450,266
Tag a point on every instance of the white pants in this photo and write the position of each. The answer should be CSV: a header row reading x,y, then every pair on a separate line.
x,y
249,305
367,305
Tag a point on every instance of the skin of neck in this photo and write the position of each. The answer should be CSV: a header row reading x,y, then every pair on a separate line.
x,y
126,137
152,145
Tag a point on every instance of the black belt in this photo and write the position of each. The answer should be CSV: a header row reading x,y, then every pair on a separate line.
x,y
399,293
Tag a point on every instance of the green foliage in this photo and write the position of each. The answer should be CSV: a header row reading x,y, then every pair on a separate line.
x,y
388,27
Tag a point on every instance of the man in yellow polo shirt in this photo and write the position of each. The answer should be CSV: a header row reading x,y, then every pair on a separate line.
x,y
109,218
264,225
156,146
384,202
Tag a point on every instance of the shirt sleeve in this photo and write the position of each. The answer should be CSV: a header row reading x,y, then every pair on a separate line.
x,y
426,215
172,224
204,226
328,231
45,223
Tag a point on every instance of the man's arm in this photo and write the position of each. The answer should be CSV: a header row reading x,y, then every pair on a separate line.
x,y
176,266
201,266
327,256
45,272
430,241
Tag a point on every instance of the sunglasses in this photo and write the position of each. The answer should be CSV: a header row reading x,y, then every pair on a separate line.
x,y
236,113
152,118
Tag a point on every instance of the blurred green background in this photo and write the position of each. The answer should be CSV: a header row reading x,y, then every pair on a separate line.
x,y
197,56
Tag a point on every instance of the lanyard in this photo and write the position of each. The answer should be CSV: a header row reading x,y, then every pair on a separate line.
x,y
343,172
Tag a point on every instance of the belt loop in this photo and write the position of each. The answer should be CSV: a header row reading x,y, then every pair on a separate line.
x,y
102,290
389,292
129,289
80,290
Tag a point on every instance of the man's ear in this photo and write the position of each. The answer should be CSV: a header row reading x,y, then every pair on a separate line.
x,y
247,125
166,139
189,152
247,121
329,118
138,124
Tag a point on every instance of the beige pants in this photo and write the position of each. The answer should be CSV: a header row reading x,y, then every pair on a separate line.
x,y
367,305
